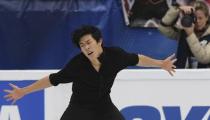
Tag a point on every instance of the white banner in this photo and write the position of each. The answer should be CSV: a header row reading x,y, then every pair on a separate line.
x,y
183,96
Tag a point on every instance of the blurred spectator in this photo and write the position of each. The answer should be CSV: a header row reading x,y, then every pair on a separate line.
x,y
139,12
194,40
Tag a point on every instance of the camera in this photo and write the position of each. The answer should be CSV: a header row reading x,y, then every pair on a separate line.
x,y
188,19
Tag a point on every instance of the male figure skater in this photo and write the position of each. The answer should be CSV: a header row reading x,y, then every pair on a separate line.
x,y
92,73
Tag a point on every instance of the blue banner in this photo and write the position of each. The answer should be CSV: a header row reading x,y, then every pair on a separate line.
x,y
36,34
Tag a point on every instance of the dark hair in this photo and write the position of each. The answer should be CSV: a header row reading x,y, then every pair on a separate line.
x,y
85,30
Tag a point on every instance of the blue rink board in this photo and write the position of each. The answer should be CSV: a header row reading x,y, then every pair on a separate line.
x,y
31,107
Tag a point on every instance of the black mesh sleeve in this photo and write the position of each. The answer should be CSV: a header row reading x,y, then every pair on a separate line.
x,y
65,75
126,59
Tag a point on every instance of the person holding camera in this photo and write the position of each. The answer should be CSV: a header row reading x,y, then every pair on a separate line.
x,y
193,36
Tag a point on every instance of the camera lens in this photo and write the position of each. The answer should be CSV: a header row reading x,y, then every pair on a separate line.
x,y
187,20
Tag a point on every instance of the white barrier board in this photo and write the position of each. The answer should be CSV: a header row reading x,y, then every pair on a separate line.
x,y
144,89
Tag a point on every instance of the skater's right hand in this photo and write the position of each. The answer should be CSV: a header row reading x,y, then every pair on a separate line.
x,y
14,94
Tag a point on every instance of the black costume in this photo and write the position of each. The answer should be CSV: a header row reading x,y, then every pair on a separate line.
x,y
91,89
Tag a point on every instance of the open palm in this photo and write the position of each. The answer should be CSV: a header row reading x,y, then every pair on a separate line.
x,y
14,94
168,64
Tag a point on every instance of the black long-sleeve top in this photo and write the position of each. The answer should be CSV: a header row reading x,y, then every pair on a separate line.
x,y
90,86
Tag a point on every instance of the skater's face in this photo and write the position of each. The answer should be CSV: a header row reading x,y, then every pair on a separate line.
x,y
90,47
